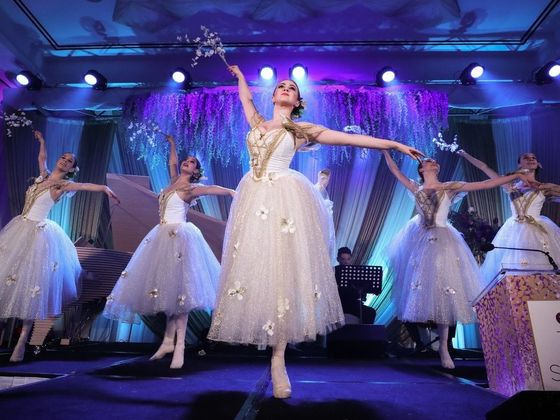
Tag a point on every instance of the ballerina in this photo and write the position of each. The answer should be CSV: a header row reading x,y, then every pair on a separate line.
x,y
323,178
526,228
173,270
277,282
40,267
436,274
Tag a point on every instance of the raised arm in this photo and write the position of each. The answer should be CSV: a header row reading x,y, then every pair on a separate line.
x,y
83,186
340,138
492,183
397,172
246,97
173,159
42,158
200,190
490,173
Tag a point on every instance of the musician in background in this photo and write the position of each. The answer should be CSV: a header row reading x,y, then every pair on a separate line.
x,y
349,297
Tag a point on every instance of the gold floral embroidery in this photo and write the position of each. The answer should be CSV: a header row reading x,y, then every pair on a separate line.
x,y
261,151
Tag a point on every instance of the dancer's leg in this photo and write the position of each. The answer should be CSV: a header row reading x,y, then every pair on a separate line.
x,y
167,346
19,349
179,352
281,387
445,357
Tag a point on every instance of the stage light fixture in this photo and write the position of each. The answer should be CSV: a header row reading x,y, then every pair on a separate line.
x,y
471,73
29,80
96,80
182,77
267,73
547,73
385,76
298,72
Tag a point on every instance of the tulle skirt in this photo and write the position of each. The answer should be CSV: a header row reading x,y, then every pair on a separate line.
x,y
277,282
544,236
436,275
173,271
39,269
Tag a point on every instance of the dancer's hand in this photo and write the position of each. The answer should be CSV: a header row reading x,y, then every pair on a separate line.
x,y
170,138
39,136
111,194
410,151
235,71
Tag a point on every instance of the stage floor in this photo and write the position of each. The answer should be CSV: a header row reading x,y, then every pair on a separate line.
x,y
91,384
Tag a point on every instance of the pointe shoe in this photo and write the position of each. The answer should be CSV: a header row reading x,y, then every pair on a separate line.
x,y
281,387
17,354
165,348
446,360
178,357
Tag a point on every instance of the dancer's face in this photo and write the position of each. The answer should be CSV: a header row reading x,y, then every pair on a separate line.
x,y
66,162
324,179
189,166
286,93
429,164
528,161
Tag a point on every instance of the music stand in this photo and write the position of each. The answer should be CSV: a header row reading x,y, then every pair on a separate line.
x,y
362,278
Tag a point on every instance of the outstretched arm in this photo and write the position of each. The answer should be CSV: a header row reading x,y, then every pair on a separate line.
x,y
200,190
551,191
83,186
397,172
246,97
492,183
340,138
490,173
173,159
42,158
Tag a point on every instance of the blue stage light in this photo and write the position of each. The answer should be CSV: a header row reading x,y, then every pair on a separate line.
x,y
267,73
95,80
298,72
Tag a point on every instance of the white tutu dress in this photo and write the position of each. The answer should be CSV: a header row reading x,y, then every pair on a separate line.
x,y
39,267
436,275
526,228
277,282
173,270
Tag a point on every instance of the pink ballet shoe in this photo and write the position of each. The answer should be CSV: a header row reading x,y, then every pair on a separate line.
x,y
165,348
446,360
178,357
281,387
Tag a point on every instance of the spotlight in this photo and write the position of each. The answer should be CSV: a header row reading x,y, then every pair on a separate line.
x,y
95,80
29,80
547,73
471,73
385,76
182,77
267,73
298,72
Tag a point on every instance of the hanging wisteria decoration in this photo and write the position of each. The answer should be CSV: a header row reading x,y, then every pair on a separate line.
x,y
356,129
16,119
210,122
442,145
147,140
206,46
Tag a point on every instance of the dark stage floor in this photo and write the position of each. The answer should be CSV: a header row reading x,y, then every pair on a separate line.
x,y
89,383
